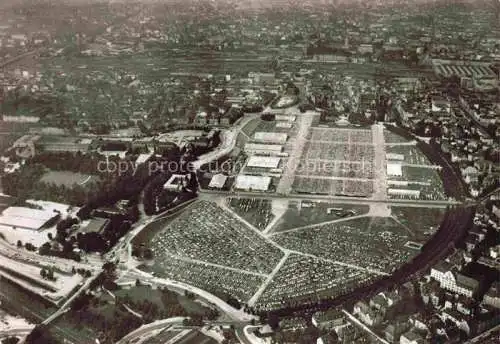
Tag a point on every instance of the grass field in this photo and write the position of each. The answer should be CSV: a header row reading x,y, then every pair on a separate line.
x,y
67,178
270,126
251,127
299,214
141,293
419,220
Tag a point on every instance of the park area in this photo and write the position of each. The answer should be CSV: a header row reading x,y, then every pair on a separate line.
x,y
419,220
112,314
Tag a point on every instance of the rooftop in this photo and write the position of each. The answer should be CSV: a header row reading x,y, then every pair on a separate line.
x,y
263,161
24,217
248,182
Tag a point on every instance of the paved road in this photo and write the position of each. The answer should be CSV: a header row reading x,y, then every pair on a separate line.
x,y
269,279
229,137
286,181
208,194
148,328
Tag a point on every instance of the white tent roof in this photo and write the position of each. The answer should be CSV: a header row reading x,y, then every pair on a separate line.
x,y
270,137
394,169
247,182
217,181
263,161
263,147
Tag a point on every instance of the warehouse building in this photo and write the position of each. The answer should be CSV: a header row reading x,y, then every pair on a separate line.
x,y
259,148
252,183
263,161
270,137
28,218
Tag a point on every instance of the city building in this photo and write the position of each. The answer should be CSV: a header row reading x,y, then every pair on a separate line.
x,y
454,281
492,296
411,337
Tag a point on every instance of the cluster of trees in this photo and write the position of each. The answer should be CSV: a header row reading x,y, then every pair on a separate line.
x,y
268,117
21,183
360,118
303,336
47,274
142,252
41,335
123,321
29,246
10,340
127,185
87,163
111,328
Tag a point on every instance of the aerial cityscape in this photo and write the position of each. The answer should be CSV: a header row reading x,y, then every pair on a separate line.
x,y
249,171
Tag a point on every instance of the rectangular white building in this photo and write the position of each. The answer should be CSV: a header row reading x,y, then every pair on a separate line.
x,y
27,218
287,118
394,156
252,183
263,161
283,124
270,137
404,192
394,169
218,181
259,148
